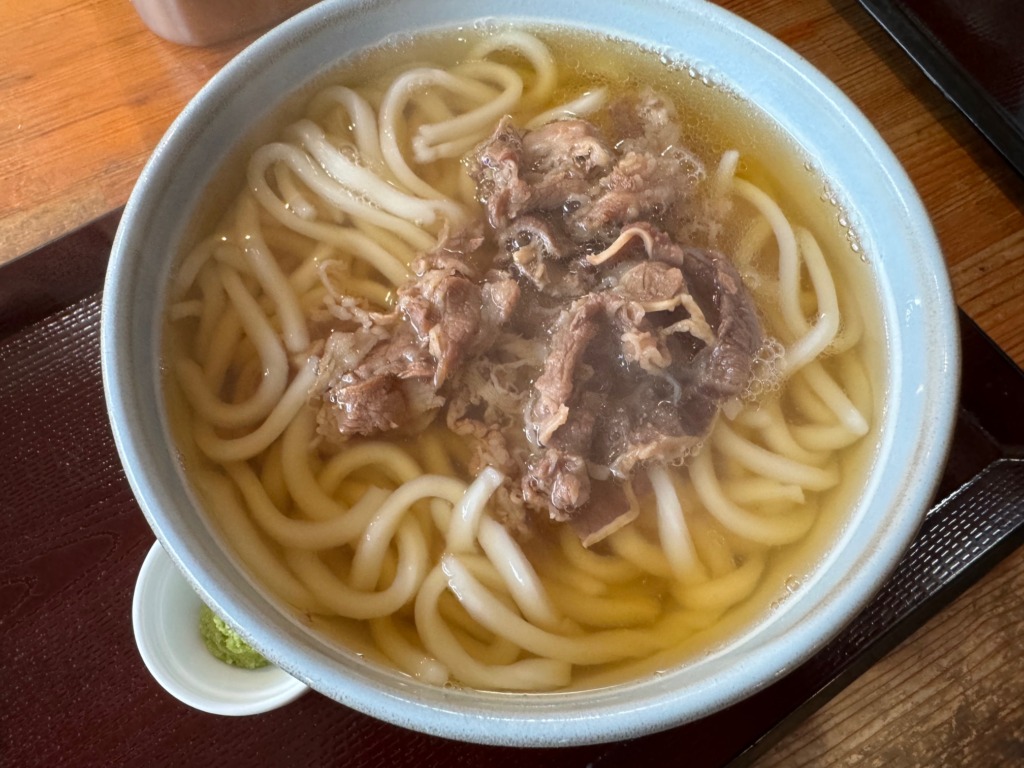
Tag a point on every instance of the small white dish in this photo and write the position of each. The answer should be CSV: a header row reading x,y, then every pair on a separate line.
x,y
165,614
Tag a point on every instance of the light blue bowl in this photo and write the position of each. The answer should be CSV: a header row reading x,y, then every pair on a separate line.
x,y
893,227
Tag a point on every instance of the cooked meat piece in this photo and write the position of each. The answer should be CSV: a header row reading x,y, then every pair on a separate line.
x,y
530,244
577,434
444,309
607,510
496,173
366,407
594,400
456,253
575,329
718,289
646,121
499,296
370,383
662,430
560,162
544,170
577,340
655,419
640,186
559,479
445,303
651,283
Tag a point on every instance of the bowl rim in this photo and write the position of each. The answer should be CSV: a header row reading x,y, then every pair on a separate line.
x,y
130,361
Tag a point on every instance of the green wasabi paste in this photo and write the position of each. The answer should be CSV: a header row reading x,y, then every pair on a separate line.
x,y
225,644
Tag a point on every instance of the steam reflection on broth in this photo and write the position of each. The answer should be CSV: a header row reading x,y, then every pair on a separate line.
x,y
411,544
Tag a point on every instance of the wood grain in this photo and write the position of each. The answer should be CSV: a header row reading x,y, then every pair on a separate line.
x,y
948,696
86,91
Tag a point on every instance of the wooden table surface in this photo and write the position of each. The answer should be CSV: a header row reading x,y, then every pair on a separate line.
x,y
86,91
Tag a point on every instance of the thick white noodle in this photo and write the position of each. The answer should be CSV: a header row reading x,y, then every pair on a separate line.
x,y
629,544
222,449
313,535
375,539
518,574
773,530
476,123
387,458
224,505
273,359
602,611
406,656
606,567
222,347
182,309
582,106
462,530
834,397
189,269
789,260
535,51
814,341
776,435
362,118
722,181
215,303
355,603
772,465
362,182
340,198
390,116
725,591
293,197
762,490
271,278
440,641
594,648
675,538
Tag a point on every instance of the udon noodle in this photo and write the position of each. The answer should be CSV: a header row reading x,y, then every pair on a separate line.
x,y
395,532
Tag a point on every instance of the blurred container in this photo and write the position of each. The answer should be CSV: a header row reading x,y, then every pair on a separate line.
x,y
205,22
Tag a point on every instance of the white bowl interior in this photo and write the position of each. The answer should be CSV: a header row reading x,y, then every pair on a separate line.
x,y
894,231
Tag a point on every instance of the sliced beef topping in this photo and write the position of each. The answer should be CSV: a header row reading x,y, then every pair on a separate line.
x,y
372,382
646,122
383,372
496,173
561,162
719,291
651,283
558,481
500,295
641,186
608,510
444,309
574,341
533,248
576,328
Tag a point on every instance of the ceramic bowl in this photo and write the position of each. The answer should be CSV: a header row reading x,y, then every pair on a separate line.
x,y
894,231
